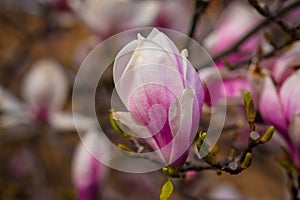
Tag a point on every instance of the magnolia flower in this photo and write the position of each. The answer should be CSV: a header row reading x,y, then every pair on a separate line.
x,y
234,23
280,107
109,16
88,172
45,88
162,92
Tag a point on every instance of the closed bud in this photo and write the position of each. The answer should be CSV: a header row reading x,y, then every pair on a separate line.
x,y
268,134
247,161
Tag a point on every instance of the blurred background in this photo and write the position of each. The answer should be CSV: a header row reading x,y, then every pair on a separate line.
x,y
43,43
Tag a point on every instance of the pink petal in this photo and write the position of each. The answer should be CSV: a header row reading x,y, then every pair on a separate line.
x,y
141,105
231,86
290,95
270,106
282,68
192,80
87,172
235,22
185,128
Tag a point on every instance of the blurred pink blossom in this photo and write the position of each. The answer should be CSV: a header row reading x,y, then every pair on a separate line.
x,y
236,21
45,88
88,172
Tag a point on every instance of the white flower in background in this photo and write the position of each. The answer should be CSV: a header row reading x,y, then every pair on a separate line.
x,y
45,88
225,191
107,16
88,173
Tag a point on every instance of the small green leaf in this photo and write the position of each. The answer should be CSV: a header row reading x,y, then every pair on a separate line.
x,y
166,190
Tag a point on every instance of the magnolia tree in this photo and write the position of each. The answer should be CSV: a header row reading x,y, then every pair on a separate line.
x,y
155,95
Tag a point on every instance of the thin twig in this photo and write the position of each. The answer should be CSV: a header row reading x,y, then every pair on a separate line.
x,y
268,55
265,11
200,7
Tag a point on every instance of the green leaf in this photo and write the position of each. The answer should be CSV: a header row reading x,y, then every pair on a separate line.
x,y
166,190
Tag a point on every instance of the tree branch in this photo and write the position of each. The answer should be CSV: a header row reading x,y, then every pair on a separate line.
x,y
235,46
268,55
200,7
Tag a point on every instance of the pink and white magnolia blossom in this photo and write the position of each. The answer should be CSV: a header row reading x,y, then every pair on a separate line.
x,y
45,88
163,93
280,107
88,173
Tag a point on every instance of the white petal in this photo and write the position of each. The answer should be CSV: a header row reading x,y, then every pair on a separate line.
x,y
187,125
148,75
153,34
131,125
270,106
289,96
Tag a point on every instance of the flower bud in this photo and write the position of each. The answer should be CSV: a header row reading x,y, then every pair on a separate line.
x,y
163,94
